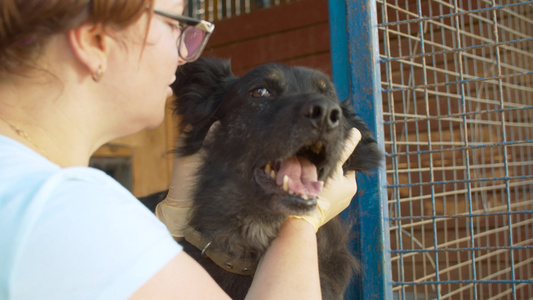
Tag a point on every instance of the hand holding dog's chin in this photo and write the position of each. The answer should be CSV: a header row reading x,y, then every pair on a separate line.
x,y
340,189
337,196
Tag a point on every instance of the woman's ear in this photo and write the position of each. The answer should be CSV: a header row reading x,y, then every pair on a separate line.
x,y
90,45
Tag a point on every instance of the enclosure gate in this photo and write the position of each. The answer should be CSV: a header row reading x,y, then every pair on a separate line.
x,y
456,87
447,85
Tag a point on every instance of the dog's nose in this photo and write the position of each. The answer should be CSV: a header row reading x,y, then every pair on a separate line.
x,y
322,114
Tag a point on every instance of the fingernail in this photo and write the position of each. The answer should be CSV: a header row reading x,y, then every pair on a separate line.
x,y
355,135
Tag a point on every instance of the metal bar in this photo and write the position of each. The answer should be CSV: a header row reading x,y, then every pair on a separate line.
x,y
505,150
463,250
413,118
390,98
466,263
449,51
429,145
468,147
467,98
501,295
466,153
449,217
461,82
339,49
465,239
462,192
461,181
357,21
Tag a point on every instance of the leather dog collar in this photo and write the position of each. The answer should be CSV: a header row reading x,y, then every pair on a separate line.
x,y
223,260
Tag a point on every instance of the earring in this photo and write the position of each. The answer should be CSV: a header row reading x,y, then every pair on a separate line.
x,y
98,74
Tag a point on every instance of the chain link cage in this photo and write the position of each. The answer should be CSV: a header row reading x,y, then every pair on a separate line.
x,y
457,79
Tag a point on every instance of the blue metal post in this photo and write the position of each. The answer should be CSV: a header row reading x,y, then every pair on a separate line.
x,y
355,67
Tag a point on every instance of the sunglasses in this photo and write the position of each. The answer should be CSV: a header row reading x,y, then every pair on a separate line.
x,y
194,35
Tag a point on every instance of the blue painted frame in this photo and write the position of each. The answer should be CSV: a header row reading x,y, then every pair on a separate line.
x,y
355,67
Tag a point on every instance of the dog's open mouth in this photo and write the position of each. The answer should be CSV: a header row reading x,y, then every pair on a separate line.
x,y
295,176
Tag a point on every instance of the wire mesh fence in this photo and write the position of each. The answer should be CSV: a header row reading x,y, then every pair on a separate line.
x,y
457,78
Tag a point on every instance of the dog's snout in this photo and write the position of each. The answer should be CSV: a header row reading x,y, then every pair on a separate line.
x,y
322,114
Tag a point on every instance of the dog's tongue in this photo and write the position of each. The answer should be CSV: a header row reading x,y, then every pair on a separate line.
x,y
302,174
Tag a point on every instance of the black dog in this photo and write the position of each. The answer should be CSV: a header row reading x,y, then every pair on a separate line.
x,y
275,122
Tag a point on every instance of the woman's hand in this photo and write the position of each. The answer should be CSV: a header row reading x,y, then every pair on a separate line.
x,y
174,210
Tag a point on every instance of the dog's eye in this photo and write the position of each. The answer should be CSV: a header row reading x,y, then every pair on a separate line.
x,y
260,92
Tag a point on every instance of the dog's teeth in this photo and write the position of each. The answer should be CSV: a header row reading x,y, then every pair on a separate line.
x,y
268,168
273,174
291,192
286,183
305,197
317,147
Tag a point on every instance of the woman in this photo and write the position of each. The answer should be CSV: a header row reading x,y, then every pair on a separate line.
x,y
74,75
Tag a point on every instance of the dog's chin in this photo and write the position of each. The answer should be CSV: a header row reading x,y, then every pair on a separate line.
x,y
282,199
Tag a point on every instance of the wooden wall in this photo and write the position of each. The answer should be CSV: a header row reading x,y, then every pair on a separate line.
x,y
296,33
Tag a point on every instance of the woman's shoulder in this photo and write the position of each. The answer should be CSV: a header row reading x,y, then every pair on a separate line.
x,y
23,169
78,220
35,193
25,172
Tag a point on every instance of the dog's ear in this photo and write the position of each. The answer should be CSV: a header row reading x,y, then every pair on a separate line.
x,y
367,154
199,89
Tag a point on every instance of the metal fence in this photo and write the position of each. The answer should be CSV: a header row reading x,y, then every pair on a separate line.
x,y
457,79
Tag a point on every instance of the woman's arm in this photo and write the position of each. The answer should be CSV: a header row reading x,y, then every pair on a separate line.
x,y
289,270
181,278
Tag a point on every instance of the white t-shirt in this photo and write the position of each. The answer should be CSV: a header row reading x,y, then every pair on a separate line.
x,y
72,233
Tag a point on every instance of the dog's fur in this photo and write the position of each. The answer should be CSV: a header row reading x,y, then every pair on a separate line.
x,y
270,114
